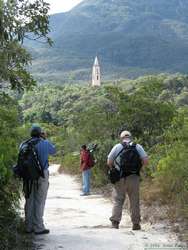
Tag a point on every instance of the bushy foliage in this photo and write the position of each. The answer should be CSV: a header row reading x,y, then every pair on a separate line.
x,y
98,114
9,188
71,162
172,168
20,19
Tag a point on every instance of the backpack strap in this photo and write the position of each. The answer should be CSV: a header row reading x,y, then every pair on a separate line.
x,y
33,142
119,155
35,153
119,152
125,145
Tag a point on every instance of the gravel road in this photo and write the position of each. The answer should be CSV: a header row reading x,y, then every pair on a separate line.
x,y
81,223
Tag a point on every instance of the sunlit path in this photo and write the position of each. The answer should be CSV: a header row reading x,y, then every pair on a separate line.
x,y
81,223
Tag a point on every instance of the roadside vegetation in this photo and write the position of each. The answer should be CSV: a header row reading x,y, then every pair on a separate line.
x,y
18,19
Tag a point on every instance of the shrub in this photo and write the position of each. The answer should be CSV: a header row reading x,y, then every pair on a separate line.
x,y
9,188
71,163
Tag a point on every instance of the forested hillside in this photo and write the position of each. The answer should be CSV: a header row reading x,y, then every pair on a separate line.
x,y
154,109
131,38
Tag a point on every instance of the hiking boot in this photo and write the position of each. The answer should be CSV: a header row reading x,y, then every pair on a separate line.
x,y
28,231
45,231
115,224
136,227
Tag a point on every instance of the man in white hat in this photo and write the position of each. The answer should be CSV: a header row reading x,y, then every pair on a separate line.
x,y
129,181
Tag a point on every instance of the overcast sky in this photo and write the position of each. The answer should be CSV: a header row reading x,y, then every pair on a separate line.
x,y
62,5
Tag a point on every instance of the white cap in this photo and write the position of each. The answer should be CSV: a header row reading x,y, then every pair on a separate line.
x,y
125,133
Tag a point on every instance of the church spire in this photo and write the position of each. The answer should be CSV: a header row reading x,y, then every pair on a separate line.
x,y
96,74
96,62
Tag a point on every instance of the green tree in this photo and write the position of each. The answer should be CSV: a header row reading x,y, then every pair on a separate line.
x,y
9,190
20,19
171,173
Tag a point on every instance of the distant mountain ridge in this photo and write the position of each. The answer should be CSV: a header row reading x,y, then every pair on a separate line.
x,y
130,38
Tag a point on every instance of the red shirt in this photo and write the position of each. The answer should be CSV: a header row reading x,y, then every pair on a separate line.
x,y
85,160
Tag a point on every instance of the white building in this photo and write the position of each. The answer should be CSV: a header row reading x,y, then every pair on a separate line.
x,y
96,74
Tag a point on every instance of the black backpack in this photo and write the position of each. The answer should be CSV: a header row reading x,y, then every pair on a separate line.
x,y
114,175
28,165
130,161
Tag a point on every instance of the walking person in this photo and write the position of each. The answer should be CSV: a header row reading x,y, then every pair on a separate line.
x,y
36,191
85,166
128,157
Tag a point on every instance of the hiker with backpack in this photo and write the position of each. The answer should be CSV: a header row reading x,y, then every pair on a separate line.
x,y
125,162
32,167
86,163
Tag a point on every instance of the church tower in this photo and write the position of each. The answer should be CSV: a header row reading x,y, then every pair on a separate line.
x,y
96,74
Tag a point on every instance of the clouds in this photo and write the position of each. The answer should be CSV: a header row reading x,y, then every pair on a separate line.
x,y
62,5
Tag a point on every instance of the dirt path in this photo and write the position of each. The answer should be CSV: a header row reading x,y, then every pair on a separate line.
x,y
81,223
